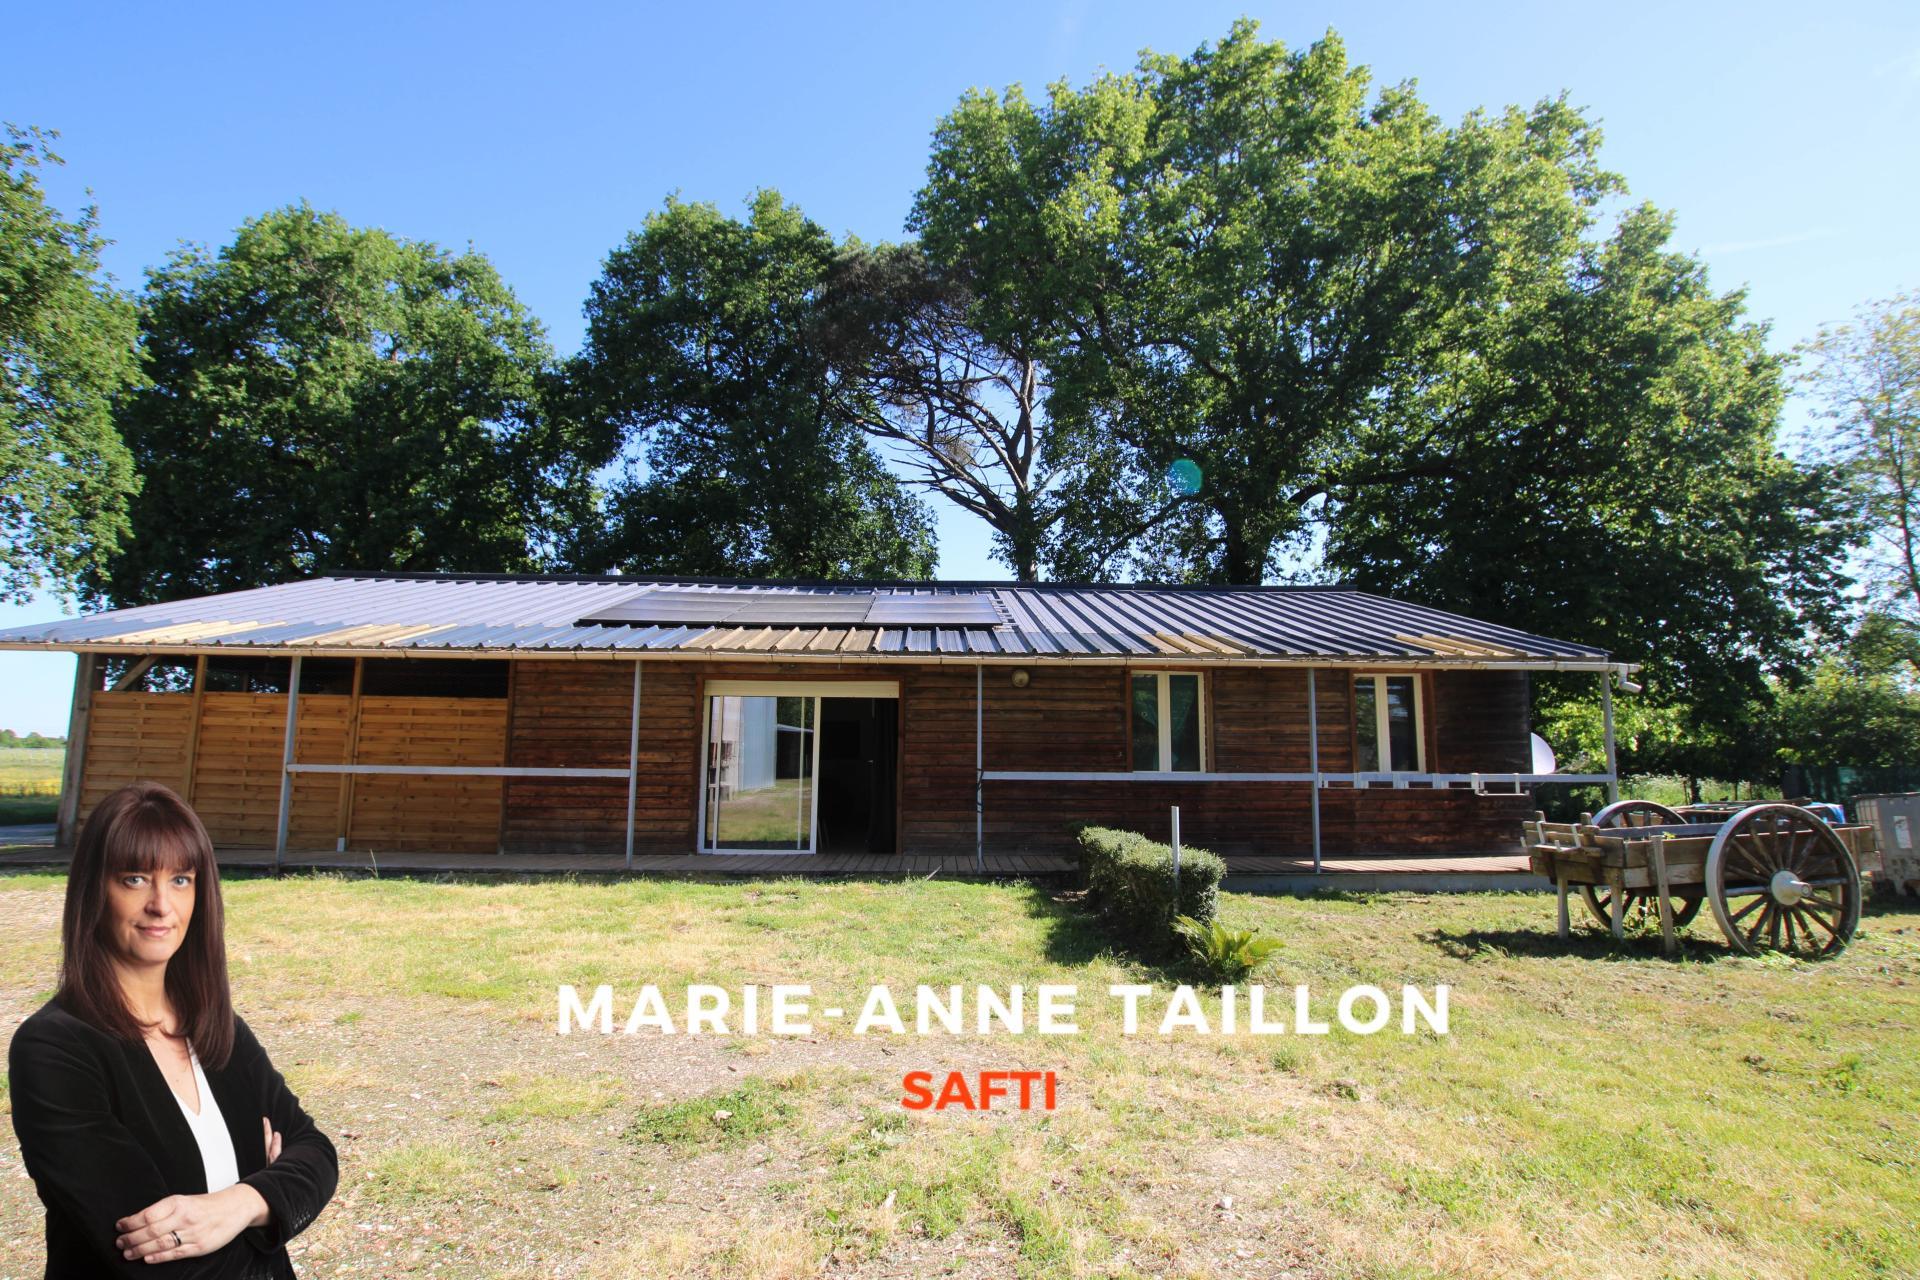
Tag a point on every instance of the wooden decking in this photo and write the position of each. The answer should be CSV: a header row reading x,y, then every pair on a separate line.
x,y
997,866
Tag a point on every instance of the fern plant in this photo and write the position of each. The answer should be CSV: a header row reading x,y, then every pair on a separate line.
x,y
1227,953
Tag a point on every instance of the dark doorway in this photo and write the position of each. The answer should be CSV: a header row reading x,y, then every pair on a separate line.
x,y
858,747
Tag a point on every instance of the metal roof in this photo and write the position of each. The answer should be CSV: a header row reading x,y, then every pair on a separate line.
x,y
502,615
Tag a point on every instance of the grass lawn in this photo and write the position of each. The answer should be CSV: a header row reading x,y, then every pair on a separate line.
x,y
1597,1111
30,783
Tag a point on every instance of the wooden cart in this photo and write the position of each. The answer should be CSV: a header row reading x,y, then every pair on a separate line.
x,y
1778,877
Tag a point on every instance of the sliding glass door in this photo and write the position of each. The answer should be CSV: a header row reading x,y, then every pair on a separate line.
x,y
762,755
762,787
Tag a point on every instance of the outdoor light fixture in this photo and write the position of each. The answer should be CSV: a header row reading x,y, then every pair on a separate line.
x,y
1020,677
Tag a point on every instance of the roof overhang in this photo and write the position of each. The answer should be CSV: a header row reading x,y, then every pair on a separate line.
x,y
864,658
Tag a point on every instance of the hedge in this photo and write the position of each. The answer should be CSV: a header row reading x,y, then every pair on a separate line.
x,y
1130,881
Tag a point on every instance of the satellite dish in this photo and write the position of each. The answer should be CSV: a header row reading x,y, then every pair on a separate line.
x,y
1543,761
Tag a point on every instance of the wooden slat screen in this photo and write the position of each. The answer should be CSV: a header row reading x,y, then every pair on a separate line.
x,y
133,737
399,811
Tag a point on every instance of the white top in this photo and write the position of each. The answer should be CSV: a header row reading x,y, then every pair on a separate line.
x,y
210,1131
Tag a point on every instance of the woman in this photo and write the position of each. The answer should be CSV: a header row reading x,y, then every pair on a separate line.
x,y
152,1123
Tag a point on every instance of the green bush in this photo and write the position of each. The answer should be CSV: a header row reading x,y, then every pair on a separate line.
x,y
1225,953
1129,882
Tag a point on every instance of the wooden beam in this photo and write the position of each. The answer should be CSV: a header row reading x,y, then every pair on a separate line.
x,y
1313,762
343,816
193,730
286,765
133,674
979,767
73,774
633,761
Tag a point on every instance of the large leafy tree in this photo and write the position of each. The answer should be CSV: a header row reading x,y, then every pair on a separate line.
x,y
1867,376
1239,256
1600,461
709,366
949,394
67,348
328,397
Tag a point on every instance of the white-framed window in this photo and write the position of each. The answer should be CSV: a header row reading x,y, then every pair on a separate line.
x,y
1169,722
1389,729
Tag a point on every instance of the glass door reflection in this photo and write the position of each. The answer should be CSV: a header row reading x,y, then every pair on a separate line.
x,y
762,755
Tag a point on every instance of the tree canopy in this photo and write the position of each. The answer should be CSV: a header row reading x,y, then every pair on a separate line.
x,y
1601,463
326,397
67,348
1867,377
708,366
1241,256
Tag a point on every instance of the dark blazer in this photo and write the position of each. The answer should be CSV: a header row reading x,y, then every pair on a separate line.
x,y
103,1137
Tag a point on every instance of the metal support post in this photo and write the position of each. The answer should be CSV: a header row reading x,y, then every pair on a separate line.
x,y
286,763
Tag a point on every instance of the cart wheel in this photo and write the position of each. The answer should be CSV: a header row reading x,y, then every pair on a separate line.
x,y
1641,903
1779,879
1637,813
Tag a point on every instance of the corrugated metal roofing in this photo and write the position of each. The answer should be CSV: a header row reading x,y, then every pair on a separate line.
x,y
502,615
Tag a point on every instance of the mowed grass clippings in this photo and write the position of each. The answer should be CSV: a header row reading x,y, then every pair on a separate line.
x,y
1597,1111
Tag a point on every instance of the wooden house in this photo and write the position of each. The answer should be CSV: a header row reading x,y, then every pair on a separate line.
x,y
526,714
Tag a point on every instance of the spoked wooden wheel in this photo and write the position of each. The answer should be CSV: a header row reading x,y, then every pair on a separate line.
x,y
1637,813
1780,879
1641,904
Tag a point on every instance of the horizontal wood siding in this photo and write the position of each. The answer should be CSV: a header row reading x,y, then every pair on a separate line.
x,y
401,811
133,737
236,774
1483,722
575,714
578,715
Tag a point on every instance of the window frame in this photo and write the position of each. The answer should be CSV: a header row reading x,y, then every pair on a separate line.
x,y
1162,724
1382,721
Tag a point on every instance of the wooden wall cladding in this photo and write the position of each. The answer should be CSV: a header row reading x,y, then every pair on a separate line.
x,y
414,811
1483,721
578,715
1259,718
236,772
133,737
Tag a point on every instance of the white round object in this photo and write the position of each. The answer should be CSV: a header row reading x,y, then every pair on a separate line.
x,y
1543,761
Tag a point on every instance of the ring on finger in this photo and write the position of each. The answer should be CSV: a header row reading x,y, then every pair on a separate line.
x,y
176,1240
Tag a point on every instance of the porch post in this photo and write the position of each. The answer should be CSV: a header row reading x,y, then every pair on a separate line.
x,y
1313,763
633,760
979,767
73,772
1606,714
286,759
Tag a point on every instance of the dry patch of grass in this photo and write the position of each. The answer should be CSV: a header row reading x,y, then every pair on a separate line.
x,y
1597,1109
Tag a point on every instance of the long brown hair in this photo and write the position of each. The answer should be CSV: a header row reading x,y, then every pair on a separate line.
x,y
141,827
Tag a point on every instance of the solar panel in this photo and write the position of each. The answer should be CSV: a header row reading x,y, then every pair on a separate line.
x,y
665,606
961,609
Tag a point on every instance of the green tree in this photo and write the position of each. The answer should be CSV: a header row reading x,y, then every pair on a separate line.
x,y
1848,717
1867,375
1239,257
959,410
67,348
326,397
709,367
1600,462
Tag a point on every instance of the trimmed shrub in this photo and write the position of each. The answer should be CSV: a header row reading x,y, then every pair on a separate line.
x,y
1130,882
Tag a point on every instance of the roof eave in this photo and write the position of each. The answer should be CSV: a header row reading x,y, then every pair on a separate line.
x,y
1598,661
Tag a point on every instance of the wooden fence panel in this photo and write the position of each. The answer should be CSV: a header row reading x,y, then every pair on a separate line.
x,y
236,786
134,737
409,811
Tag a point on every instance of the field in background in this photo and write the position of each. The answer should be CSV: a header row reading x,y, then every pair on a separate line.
x,y
1597,1110
30,783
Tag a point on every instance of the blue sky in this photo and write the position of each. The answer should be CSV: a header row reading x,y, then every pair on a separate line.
x,y
1782,135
